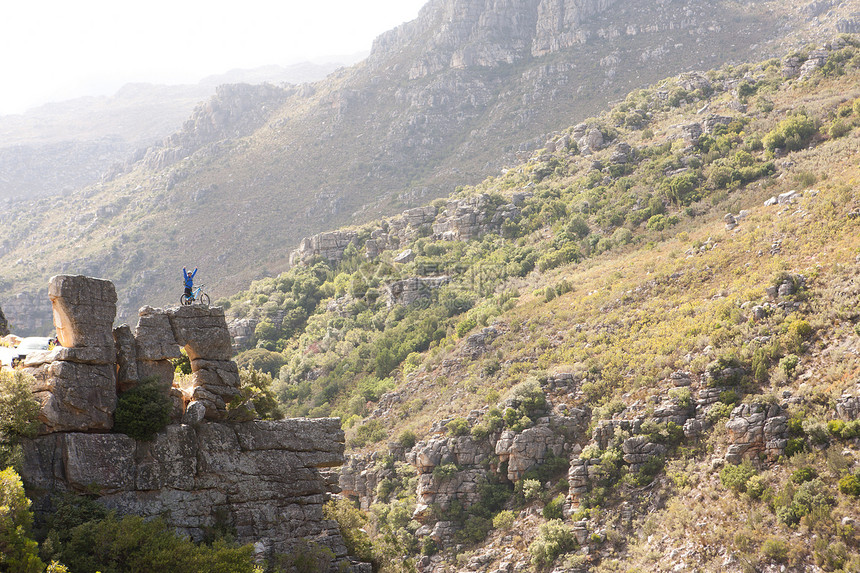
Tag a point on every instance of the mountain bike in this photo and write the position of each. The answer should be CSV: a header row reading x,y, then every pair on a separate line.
x,y
197,296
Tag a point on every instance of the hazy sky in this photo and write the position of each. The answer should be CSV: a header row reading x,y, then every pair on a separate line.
x,y
51,50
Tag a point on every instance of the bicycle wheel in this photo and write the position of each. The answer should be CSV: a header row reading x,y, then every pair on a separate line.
x,y
185,300
204,299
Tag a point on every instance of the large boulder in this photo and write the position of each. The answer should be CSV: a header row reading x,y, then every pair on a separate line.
x,y
84,311
126,358
755,429
202,331
527,449
75,397
154,336
215,384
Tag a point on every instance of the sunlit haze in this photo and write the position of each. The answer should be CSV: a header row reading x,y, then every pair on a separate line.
x,y
53,50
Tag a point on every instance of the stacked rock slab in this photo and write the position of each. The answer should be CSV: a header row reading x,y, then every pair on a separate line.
x,y
263,477
203,332
76,382
155,345
756,429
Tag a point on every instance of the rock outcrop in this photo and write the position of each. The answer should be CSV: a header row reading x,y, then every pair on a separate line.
x,y
76,381
756,429
465,219
267,479
329,246
235,110
411,290
263,477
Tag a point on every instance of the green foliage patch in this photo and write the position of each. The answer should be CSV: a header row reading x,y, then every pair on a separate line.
x,y
143,411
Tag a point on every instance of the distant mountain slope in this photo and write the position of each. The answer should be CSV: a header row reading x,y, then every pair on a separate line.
x,y
63,146
442,101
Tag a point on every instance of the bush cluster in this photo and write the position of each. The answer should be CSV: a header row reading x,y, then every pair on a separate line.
x,y
143,411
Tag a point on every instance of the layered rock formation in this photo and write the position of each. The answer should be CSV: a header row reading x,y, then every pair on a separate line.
x,y
757,429
329,246
76,382
265,479
411,290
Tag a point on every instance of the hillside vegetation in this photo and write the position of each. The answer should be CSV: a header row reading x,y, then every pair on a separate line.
x,y
641,305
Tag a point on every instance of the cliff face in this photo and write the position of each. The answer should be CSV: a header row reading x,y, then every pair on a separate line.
x,y
265,478
465,33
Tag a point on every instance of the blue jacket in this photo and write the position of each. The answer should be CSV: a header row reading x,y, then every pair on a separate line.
x,y
189,279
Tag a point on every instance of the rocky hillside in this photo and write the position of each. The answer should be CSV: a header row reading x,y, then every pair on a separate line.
x,y
465,89
636,351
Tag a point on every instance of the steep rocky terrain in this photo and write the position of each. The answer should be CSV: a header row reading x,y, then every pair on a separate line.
x,y
636,351
442,101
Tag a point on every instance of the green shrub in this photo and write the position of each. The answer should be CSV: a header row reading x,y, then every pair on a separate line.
x,y
18,412
368,433
458,427
475,529
844,430
114,545
18,552
480,432
407,439
735,477
792,133
718,411
850,485
428,546
182,365
352,523
839,128
648,471
504,519
788,363
681,396
529,397
553,539
143,411
795,446
803,475
775,550
851,430
756,486
532,489
443,472
554,509
305,557
835,427
810,496
255,388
